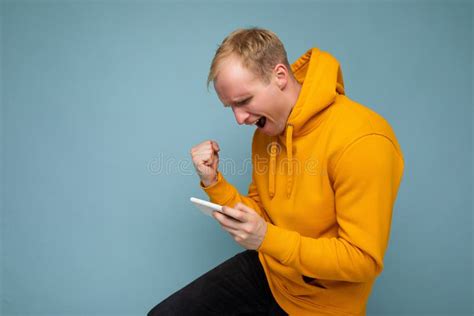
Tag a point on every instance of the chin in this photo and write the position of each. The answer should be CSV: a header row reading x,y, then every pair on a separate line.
x,y
269,133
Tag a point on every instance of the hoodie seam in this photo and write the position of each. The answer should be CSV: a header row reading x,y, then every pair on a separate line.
x,y
357,139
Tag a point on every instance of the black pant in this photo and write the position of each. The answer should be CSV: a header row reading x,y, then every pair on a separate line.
x,y
238,286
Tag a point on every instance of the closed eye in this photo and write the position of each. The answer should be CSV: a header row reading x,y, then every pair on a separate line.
x,y
243,102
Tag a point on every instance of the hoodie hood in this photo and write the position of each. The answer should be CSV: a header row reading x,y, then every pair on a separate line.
x,y
320,75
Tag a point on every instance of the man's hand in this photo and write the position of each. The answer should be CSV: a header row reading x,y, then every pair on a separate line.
x,y
206,159
244,224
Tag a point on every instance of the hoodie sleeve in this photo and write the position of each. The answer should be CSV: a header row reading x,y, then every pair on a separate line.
x,y
223,193
366,181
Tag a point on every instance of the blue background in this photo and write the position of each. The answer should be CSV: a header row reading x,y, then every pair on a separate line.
x,y
102,101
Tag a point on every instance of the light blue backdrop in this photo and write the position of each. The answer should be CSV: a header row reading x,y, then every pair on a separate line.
x,y
102,101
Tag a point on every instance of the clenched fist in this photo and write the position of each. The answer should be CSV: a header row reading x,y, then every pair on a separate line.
x,y
206,159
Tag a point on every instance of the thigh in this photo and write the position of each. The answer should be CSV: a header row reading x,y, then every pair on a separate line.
x,y
238,286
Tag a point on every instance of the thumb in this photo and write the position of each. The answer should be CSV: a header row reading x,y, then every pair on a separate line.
x,y
242,207
215,146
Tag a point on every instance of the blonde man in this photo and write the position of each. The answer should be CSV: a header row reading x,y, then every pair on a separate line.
x,y
326,172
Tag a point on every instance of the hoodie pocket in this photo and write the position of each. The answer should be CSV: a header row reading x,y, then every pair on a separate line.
x,y
313,281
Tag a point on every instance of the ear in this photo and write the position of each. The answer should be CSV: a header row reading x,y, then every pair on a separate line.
x,y
281,76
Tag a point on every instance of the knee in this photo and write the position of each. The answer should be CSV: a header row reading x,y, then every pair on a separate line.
x,y
153,311
159,310
173,305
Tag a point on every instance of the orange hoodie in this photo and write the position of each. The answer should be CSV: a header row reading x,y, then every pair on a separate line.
x,y
326,187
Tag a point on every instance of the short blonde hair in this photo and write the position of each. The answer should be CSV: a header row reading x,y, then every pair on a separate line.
x,y
260,51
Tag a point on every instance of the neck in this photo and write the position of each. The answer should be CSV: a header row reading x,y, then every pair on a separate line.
x,y
294,93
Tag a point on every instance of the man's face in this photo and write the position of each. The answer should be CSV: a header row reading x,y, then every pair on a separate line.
x,y
252,100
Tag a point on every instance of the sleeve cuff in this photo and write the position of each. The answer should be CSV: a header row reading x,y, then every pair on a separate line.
x,y
219,192
279,243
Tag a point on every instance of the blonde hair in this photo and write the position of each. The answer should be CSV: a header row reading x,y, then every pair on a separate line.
x,y
260,50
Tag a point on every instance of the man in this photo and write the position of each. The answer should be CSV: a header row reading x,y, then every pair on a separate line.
x,y
326,172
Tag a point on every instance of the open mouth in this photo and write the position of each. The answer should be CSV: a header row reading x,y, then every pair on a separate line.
x,y
261,122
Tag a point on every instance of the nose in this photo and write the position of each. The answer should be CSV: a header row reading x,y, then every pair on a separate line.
x,y
240,115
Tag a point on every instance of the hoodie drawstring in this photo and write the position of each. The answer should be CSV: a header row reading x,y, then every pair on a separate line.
x,y
272,170
271,173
